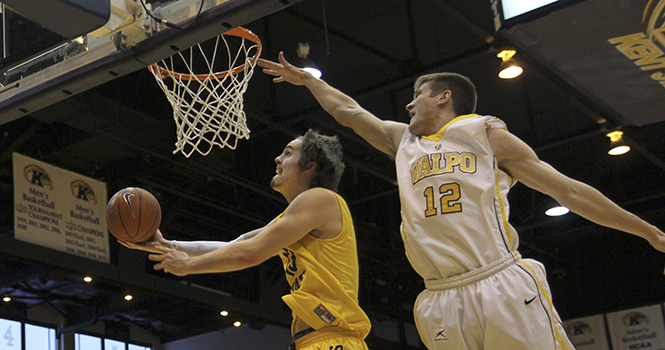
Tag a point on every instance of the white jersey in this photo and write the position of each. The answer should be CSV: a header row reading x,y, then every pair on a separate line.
x,y
453,195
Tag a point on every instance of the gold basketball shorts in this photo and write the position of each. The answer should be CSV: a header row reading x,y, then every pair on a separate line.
x,y
329,338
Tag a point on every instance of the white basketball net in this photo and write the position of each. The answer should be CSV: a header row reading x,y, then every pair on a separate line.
x,y
208,106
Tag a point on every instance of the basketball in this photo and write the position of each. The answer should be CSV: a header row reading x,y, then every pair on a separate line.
x,y
133,214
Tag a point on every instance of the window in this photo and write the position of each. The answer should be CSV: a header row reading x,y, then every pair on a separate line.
x,y
10,335
137,347
87,342
39,338
110,344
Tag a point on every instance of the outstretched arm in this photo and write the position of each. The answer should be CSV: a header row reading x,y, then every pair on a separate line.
x,y
520,161
192,248
315,210
381,134
196,248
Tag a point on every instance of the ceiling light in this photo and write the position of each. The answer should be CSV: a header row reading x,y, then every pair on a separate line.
x,y
509,68
617,145
87,279
307,64
224,313
557,210
129,297
6,299
237,324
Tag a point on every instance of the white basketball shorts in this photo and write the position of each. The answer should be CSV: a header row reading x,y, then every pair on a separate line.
x,y
504,305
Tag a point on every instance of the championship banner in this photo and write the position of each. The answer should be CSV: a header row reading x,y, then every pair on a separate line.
x,y
588,333
59,209
611,51
640,328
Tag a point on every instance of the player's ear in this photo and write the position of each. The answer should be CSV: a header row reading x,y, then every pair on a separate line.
x,y
444,96
311,167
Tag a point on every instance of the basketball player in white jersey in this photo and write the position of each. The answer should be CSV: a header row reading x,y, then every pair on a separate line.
x,y
311,236
454,170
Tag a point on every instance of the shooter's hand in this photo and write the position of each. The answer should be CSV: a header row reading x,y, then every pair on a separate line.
x,y
152,245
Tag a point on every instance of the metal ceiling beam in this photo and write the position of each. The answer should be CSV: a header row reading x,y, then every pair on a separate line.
x,y
34,254
207,202
18,276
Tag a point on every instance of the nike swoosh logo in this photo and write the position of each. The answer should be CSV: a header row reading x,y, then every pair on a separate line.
x,y
126,196
527,302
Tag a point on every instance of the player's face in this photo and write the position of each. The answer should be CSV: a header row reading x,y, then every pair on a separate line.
x,y
423,111
288,170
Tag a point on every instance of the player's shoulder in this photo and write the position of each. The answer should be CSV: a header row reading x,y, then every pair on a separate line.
x,y
316,201
493,122
473,118
316,195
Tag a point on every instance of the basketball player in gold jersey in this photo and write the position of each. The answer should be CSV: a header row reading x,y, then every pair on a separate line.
x,y
454,170
311,236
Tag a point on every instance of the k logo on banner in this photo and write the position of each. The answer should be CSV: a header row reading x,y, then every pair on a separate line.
x,y
640,328
588,333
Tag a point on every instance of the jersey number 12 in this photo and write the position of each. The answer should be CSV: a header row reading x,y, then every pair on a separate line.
x,y
448,194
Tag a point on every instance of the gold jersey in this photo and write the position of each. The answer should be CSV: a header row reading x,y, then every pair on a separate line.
x,y
323,275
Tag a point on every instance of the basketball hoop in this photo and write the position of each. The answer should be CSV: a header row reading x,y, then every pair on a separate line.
x,y
206,90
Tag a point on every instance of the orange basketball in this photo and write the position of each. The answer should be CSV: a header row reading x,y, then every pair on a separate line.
x,y
133,214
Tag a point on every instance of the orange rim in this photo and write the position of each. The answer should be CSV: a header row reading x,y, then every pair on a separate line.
x,y
239,32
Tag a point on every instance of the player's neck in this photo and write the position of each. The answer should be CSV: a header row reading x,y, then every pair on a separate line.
x,y
292,192
446,117
441,120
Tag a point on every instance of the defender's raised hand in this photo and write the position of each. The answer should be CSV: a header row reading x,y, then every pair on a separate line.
x,y
284,71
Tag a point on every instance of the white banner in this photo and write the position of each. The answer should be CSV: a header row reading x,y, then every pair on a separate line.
x,y
588,333
59,209
640,328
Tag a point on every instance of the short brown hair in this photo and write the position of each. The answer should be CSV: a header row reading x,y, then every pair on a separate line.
x,y
462,88
326,152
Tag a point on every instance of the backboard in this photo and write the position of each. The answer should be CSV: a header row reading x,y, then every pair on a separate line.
x,y
138,33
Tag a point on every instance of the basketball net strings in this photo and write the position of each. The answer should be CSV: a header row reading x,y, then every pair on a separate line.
x,y
216,103
218,97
